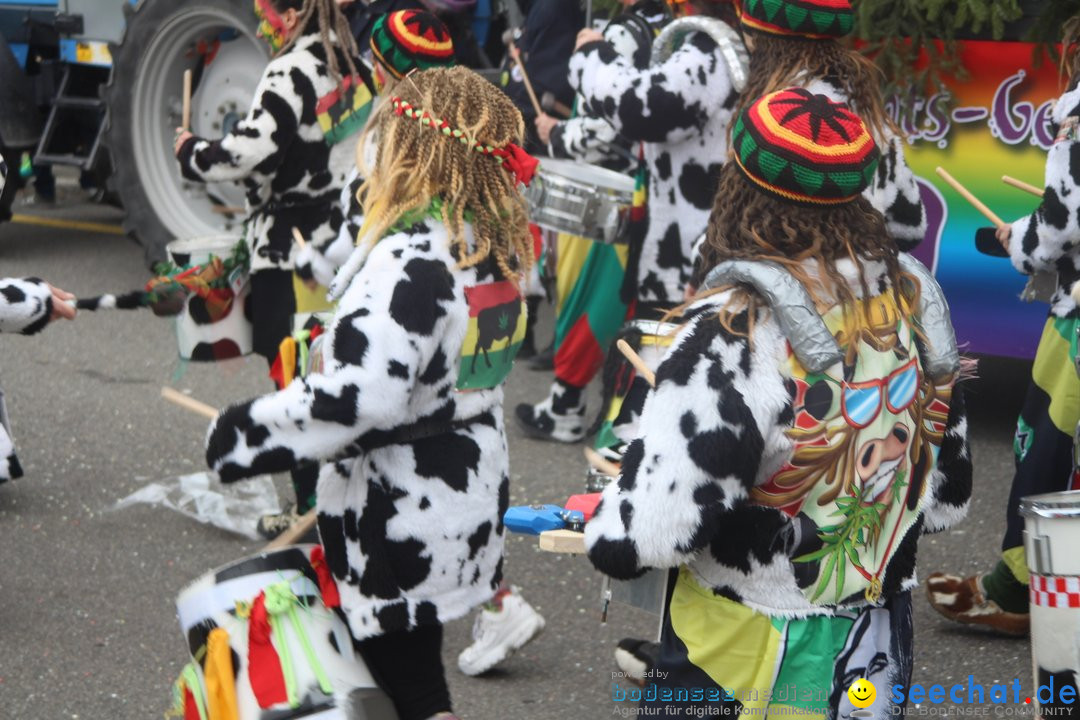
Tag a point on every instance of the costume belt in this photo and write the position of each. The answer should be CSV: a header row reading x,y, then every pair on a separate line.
x,y
406,434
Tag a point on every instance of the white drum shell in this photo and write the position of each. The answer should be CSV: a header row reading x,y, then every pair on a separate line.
x,y
1051,539
199,340
207,599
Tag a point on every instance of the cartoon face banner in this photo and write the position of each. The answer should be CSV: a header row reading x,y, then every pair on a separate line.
x,y
997,123
867,433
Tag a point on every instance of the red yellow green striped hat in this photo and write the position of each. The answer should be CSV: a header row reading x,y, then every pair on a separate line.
x,y
804,148
814,19
409,40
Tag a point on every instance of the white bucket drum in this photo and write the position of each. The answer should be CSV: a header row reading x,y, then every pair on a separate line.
x,y
580,199
310,669
199,337
1051,543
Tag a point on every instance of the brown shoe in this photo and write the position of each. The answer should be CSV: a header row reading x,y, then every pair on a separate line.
x,y
963,600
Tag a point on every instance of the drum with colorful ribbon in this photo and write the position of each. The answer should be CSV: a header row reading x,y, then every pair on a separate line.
x,y
214,324
1051,539
580,199
265,642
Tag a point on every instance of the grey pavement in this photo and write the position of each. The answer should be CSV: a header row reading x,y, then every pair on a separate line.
x,y
87,623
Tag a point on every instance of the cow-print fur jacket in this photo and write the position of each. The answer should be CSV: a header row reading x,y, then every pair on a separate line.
x,y
681,110
411,518
25,307
716,427
321,261
292,175
1048,240
895,191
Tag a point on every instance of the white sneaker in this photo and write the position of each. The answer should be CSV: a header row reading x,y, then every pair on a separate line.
x,y
497,634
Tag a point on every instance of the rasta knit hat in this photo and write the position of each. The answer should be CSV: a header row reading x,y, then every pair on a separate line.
x,y
409,40
813,19
804,148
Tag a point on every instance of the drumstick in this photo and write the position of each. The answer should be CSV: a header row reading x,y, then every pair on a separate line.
x,y
1021,185
178,398
636,361
966,194
299,238
187,101
601,463
525,76
296,531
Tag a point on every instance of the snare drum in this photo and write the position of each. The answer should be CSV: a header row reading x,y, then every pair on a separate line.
x,y
580,199
309,668
1051,536
199,337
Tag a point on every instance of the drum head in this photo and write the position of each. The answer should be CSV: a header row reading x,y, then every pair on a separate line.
x,y
194,251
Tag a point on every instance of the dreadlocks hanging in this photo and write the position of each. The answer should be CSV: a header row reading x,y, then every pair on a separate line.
x,y
417,164
330,19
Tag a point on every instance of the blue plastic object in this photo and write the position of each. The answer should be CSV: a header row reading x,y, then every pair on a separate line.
x,y
534,519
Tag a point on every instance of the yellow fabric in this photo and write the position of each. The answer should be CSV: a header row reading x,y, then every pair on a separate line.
x,y
309,301
737,647
220,680
1053,371
1014,558
287,353
570,258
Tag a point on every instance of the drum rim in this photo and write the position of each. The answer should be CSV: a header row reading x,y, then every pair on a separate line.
x,y
583,172
202,242
304,548
1062,504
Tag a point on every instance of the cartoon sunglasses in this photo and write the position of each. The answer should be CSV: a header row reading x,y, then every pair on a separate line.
x,y
861,401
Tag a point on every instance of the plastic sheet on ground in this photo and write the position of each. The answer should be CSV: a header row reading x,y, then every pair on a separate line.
x,y
236,507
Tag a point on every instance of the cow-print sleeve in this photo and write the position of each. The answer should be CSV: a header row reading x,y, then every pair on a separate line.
x,y
950,482
391,316
321,261
697,458
585,138
1051,234
895,194
258,143
25,305
663,104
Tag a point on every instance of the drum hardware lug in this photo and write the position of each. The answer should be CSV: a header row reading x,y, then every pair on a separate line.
x,y
1040,553
605,597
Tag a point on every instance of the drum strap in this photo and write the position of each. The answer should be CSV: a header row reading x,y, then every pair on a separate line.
x,y
420,430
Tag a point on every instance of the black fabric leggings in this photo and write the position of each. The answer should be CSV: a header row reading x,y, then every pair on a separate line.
x,y
408,665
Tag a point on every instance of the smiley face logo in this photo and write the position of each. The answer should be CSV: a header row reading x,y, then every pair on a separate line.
x,y
862,693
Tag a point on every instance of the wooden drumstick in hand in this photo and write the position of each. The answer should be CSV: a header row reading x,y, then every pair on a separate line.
x,y
1020,184
516,54
637,362
186,125
299,238
189,403
966,194
601,463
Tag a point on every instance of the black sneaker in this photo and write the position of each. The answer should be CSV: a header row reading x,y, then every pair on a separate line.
x,y
543,360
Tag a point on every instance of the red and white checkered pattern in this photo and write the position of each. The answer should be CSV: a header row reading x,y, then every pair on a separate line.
x,y
1055,592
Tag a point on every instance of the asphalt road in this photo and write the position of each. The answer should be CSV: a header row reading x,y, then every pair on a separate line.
x,y
87,622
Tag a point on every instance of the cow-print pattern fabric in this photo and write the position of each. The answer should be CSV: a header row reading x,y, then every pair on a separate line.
x,y
713,429
321,261
292,177
681,110
895,191
412,531
25,307
1048,240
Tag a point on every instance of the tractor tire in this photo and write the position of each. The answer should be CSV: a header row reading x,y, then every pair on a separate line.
x,y
215,39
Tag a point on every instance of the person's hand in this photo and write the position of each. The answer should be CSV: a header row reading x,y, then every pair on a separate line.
x,y
1003,234
544,123
181,138
310,283
62,308
689,292
585,36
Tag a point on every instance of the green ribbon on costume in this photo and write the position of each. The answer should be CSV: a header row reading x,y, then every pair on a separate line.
x,y
189,679
281,602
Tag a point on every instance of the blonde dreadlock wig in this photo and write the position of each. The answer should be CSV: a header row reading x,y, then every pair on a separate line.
x,y
445,142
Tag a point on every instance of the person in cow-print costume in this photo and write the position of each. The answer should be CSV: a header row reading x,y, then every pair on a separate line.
x,y
407,413
292,152
788,491
681,111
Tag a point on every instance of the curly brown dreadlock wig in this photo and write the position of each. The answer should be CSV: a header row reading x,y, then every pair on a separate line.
x,y
329,18
748,224
1070,52
779,61
417,163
